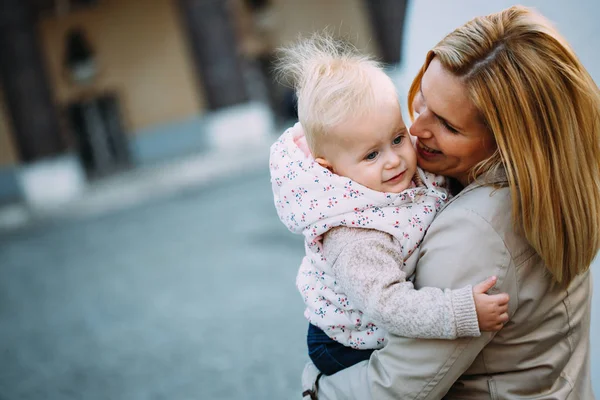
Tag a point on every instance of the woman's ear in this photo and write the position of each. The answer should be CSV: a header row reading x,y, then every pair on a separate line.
x,y
324,163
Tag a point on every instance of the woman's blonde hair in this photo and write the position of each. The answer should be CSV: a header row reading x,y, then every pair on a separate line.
x,y
333,82
543,108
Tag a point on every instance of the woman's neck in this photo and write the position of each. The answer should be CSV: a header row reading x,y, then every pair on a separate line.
x,y
455,186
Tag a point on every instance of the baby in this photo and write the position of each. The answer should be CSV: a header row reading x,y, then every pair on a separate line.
x,y
346,177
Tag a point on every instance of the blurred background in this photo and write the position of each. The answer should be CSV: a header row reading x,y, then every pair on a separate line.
x,y
140,253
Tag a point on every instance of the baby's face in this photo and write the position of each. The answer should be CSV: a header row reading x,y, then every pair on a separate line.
x,y
374,150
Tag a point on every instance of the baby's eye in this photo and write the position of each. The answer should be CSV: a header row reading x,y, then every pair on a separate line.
x,y
372,155
398,139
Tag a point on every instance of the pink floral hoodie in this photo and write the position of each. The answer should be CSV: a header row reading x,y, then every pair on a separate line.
x,y
310,200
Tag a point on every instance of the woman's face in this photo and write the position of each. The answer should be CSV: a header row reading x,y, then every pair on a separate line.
x,y
451,139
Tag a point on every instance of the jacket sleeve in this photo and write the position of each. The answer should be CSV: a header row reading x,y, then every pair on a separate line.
x,y
367,265
461,248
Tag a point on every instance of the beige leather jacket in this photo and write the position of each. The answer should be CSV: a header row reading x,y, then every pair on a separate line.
x,y
541,353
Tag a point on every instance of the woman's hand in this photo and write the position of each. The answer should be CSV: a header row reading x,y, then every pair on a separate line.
x,y
492,310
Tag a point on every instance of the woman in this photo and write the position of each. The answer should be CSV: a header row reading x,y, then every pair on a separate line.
x,y
503,106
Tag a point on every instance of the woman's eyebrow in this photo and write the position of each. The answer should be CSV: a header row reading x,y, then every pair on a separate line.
x,y
439,117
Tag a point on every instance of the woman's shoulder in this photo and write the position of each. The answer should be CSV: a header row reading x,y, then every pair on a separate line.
x,y
487,202
486,206
489,197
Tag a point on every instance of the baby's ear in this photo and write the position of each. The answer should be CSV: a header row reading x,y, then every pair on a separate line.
x,y
324,163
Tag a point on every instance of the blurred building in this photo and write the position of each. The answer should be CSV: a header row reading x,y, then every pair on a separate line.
x,y
92,87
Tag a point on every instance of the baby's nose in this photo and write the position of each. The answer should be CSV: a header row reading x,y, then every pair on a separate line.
x,y
394,160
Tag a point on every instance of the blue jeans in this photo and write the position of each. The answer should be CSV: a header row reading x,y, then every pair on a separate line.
x,y
330,356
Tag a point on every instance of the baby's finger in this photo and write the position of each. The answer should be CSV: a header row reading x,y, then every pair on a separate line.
x,y
502,309
503,318
486,285
500,299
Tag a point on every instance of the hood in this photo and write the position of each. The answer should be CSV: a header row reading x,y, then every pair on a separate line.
x,y
308,196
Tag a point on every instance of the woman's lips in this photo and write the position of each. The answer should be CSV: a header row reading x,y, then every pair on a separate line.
x,y
425,151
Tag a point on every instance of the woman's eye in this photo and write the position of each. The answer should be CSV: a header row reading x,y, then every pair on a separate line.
x,y
372,156
451,129
398,140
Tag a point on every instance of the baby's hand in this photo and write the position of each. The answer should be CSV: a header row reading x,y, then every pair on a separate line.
x,y
492,310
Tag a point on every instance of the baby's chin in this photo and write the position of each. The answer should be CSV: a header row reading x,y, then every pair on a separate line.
x,y
395,189
386,187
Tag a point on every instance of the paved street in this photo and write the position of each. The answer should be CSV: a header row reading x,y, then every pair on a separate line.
x,y
185,298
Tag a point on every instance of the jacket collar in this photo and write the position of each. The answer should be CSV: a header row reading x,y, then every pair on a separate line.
x,y
493,177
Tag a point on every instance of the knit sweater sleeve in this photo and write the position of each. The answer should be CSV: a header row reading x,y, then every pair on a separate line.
x,y
367,265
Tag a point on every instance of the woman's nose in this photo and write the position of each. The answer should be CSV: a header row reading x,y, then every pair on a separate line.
x,y
419,128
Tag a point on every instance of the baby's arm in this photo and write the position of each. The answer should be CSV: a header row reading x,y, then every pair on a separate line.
x,y
358,255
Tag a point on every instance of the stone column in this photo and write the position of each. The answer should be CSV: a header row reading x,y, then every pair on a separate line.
x,y
26,87
234,123
387,19
211,35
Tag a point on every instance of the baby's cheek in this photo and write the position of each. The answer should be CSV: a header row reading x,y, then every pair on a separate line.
x,y
371,178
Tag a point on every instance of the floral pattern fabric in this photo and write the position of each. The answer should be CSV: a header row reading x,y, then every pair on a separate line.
x,y
310,200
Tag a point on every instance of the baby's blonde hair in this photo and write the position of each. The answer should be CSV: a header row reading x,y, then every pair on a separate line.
x,y
333,81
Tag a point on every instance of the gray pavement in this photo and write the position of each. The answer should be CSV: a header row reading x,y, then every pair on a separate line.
x,y
187,297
